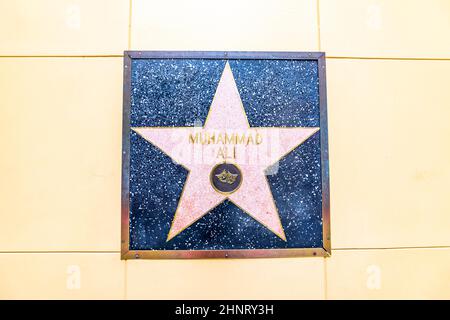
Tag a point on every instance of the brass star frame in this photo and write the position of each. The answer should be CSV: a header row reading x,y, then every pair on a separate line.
x,y
126,253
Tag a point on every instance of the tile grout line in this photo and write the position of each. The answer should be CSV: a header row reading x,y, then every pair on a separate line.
x,y
318,23
129,24
387,58
125,296
64,56
325,268
121,56
118,252
392,248
57,252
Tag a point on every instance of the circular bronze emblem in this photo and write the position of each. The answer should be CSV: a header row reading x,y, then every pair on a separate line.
x,y
226,178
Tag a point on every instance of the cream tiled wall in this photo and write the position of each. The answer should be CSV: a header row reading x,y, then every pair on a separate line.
x,y
388,71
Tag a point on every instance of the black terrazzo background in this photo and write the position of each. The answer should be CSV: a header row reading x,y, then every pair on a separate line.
x,y
166,92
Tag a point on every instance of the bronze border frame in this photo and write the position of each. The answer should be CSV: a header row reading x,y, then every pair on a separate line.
x,y
325,251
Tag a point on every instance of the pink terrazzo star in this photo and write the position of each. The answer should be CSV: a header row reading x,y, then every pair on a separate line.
x,y
251,149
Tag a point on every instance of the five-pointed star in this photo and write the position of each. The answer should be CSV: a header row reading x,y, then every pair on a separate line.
x,y
226,116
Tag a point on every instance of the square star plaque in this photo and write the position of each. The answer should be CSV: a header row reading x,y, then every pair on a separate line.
x,y
225,155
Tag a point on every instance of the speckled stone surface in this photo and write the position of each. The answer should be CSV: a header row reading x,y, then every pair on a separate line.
x,y
179,93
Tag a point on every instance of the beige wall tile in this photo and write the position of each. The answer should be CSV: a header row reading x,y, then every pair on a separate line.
x,y
61,276
389,274
60,135
234,25
389,154
67,27
385,28
301,278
